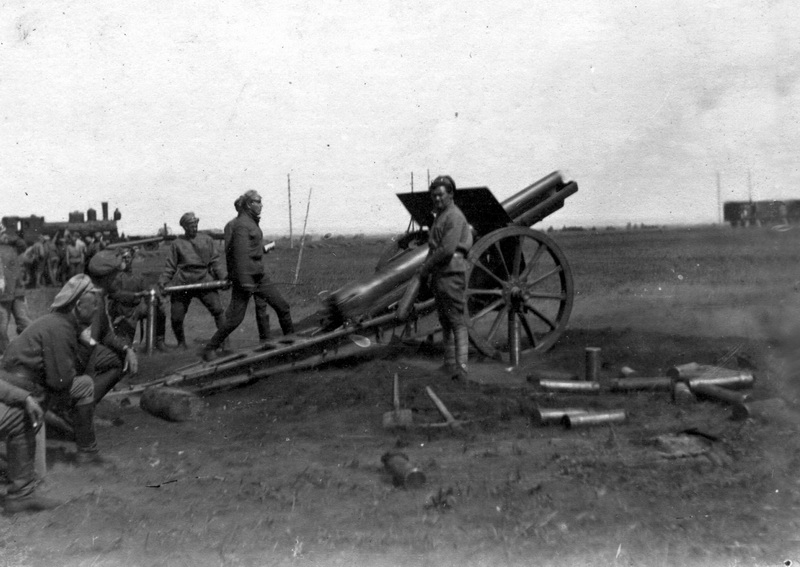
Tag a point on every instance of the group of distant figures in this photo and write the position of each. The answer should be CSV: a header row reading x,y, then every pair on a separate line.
x,y
53,261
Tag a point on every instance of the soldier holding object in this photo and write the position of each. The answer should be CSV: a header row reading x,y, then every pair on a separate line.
x,y
244,252
192,258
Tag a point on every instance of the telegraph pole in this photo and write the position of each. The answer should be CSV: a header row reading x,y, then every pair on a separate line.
x,y
289,187
719,199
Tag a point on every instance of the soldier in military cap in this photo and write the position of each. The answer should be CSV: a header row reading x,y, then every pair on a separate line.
x,y
106,356
244,253
38,367
127,305
449,241
192,258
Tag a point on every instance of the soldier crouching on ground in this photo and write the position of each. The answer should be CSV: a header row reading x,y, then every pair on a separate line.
x,y
449,241
105,356
192,259
39,366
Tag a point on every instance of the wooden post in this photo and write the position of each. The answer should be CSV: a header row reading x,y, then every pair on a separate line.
x,y
302,239
289,187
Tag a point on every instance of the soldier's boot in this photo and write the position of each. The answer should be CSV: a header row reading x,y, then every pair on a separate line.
x,y
285,321
225,346
179,335
105,381
262,322
21,495
461,348
85,440
448,344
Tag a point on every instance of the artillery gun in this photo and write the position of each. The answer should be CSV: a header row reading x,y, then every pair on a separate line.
x,y
519,295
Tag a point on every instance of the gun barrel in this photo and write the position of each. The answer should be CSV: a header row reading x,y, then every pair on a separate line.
x,y
132,243
216,284
525,208
533,194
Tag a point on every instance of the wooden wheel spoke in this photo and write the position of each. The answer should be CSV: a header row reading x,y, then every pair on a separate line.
x,y
528,331
488,309
479,264
551,273
556,296
550,323
502,258
517,257
493,292
533,261
496,324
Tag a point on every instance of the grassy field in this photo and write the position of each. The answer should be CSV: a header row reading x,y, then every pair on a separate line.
x,y
287,471
666,274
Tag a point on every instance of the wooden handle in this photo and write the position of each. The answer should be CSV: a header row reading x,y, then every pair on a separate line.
x,y
442,408
396,392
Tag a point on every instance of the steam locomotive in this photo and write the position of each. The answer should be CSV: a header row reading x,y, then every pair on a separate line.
x,y
32,227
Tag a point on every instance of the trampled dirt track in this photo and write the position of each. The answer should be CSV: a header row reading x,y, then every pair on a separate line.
x,y
288,471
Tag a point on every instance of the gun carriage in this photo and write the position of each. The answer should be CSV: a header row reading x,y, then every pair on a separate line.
x,y
519,295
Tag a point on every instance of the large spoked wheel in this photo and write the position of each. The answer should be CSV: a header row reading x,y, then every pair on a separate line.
x,y
519,293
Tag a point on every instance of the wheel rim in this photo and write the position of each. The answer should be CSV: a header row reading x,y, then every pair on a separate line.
x,y
519,293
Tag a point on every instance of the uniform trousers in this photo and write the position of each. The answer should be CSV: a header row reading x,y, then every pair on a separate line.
x,y
103,365
264,294
179,305
17,431
17,308
449,291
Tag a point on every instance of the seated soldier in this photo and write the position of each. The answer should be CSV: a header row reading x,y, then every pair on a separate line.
x,y
37,368
107,356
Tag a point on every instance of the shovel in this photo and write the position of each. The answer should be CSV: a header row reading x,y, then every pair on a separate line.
x,y
398,417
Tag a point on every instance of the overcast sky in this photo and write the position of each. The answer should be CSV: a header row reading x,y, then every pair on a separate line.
x,y
160,107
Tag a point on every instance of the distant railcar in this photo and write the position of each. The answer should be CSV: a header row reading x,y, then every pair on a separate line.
x,y
737,213
761,213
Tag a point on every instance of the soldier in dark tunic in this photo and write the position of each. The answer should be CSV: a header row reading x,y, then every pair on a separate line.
x,y
244,252
39,367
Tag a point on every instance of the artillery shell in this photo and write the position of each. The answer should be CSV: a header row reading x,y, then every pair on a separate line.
x,y
539,374
683,371
402,471
695,370
738,380
594,418
681,394
641,383
717,393
592,364
547,416
626,372
573,386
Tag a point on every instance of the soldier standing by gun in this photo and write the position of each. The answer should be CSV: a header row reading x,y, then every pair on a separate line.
x,y
127,305
244,252
192,258
449,242
39,365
